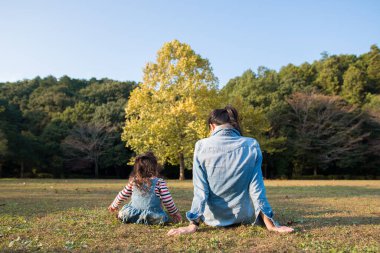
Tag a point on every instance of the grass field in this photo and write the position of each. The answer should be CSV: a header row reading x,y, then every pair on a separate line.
x,y
71,215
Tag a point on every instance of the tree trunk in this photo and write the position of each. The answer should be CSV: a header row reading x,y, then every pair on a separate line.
x,y
264,170
96,168
1,169
297,169
22,169
315,171
181,167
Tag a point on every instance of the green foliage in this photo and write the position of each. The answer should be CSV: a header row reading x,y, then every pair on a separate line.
x,y
111,113
354,84
167,113
354,79
80,112
330,72
37,115
372,60
104,91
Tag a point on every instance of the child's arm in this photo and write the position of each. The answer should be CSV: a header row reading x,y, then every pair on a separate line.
x,y
123,195
168,201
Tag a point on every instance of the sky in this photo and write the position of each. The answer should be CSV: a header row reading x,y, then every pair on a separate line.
x,y
115,39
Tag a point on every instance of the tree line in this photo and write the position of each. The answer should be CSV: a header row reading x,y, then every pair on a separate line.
x,y
320,118
326,114
58,127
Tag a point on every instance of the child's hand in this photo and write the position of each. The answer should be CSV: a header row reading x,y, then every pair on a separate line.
x,y
176,217
112,209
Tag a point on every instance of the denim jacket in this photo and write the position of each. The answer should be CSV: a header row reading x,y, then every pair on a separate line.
x,y
227,178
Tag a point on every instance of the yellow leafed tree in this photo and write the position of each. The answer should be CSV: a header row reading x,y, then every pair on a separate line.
x,y
167,113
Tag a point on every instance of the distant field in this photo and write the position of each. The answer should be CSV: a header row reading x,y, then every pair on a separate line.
x,y
71,215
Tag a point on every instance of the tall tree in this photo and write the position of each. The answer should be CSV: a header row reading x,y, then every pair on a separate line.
x,y
329,76
373,69
330,72
3,149
326,131
167,112
86,144
354,84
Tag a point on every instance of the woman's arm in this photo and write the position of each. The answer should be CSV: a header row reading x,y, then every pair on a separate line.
x,y
201,191
263,210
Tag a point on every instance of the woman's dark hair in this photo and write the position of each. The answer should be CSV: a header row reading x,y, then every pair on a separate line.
x,y
145,167
223,116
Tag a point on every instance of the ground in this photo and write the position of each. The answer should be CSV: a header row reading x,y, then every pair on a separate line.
x,y
71,215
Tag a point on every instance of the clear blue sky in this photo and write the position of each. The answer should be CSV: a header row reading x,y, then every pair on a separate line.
x,y
115,39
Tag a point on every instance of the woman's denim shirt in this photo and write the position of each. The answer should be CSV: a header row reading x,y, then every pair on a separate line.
x,y
227,178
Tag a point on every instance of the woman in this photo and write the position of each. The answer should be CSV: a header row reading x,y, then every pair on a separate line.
x,y
228,184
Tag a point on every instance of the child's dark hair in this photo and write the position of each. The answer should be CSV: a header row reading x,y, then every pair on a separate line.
x,y
145,167
223,116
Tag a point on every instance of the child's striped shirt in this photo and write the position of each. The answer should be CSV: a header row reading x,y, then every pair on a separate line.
x,y
161,190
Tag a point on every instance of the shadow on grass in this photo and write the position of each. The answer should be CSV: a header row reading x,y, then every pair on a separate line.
x,y
341,221
308,216
321,191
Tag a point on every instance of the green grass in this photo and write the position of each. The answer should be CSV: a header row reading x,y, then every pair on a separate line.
x,y
71,215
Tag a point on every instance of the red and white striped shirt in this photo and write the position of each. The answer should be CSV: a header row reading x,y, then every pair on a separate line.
x,y
161,190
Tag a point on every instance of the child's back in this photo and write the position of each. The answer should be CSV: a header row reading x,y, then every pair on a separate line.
x,y
144,208
147,191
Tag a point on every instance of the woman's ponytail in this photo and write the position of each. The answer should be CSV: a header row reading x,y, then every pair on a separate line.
x,y
223,116
233,117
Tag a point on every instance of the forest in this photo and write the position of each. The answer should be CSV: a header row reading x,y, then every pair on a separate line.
x,y
315,120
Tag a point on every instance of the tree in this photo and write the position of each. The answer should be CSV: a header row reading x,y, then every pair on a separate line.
x,y
3,149
166,113
105,91
354,84
52,136
28,151
86,144
329,76
117,155
372,109
373,68
330,72
327,131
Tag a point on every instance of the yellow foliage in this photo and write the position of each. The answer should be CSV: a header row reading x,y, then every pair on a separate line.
x,y
167,113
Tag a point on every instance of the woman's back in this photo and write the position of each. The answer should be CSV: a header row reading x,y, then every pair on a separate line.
x,y
229,163
227,178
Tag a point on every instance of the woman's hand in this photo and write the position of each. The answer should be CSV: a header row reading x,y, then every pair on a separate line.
x,y
177,217
183,230
112,209
282,229
271,227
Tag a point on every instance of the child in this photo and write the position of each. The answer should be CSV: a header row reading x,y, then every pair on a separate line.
x,y
147,191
